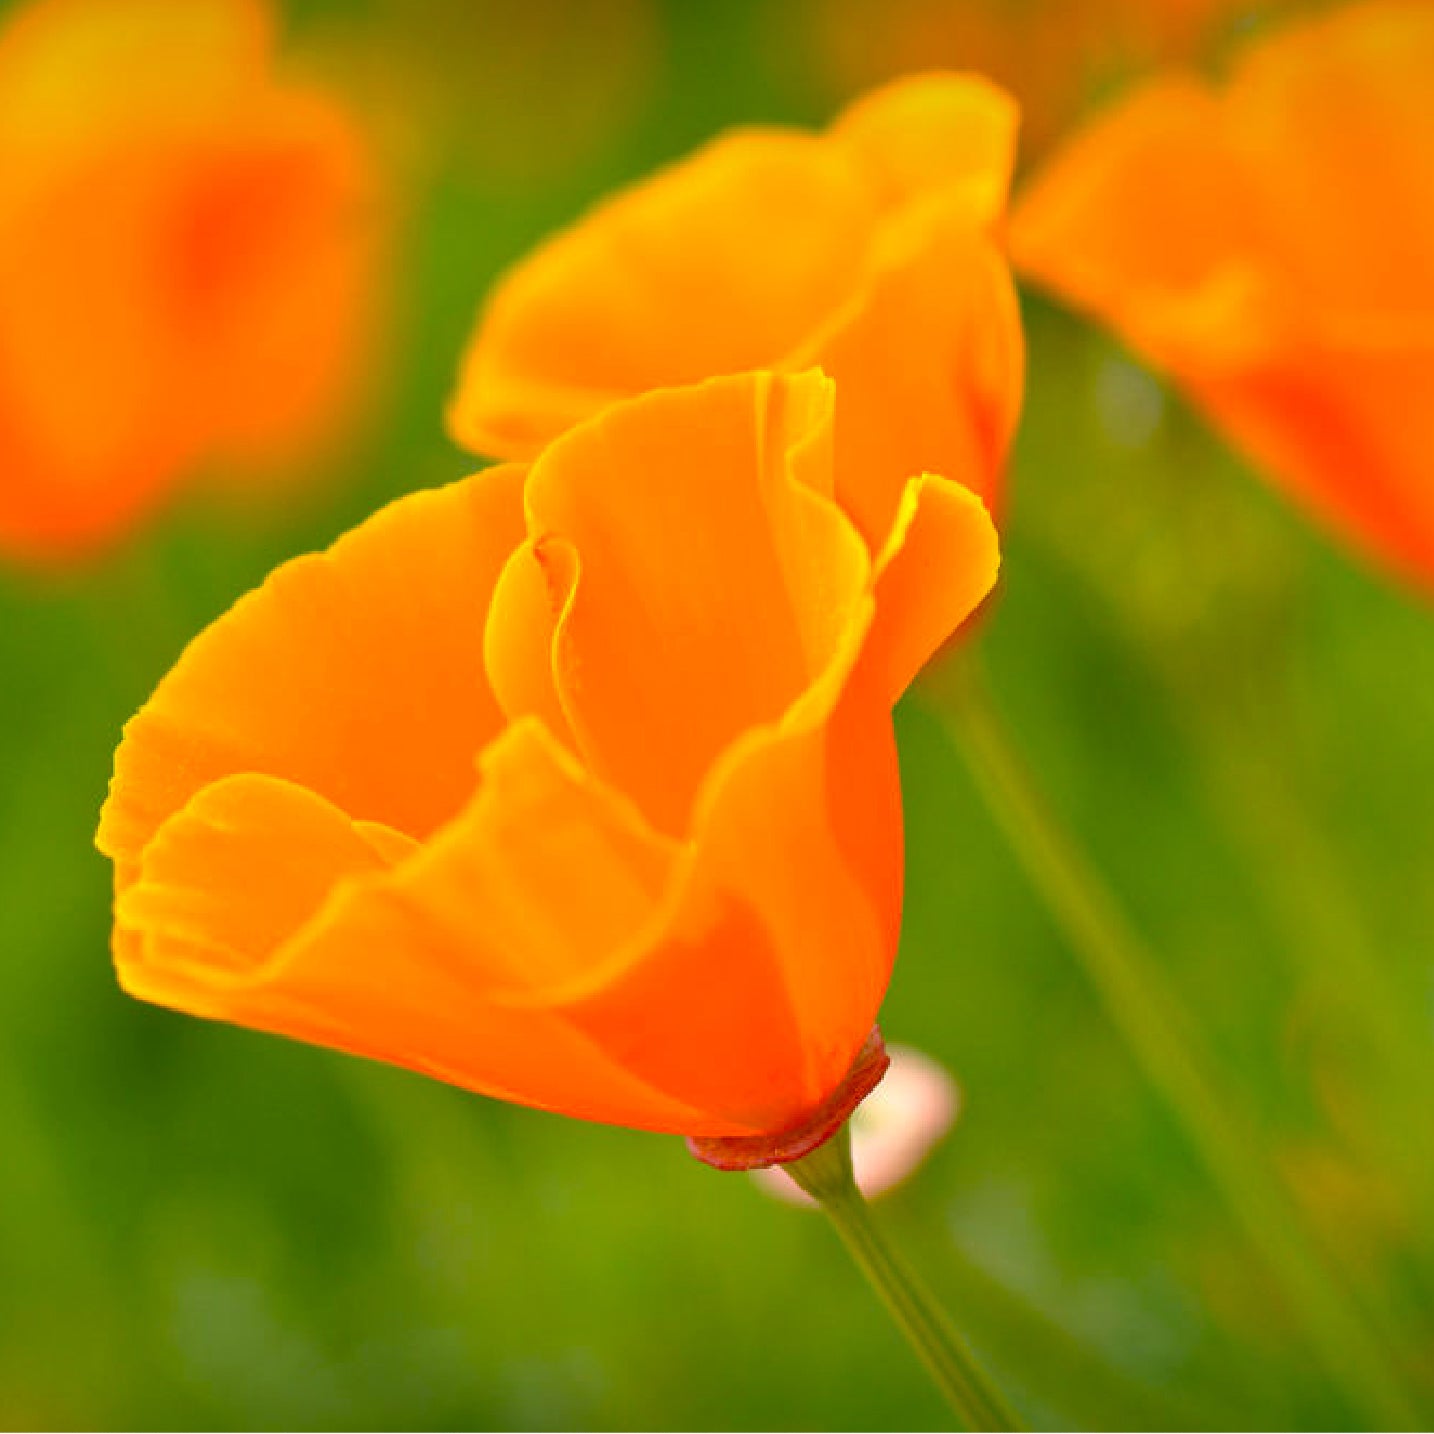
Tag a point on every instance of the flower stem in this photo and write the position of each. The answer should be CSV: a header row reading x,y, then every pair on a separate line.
x,y
1128,980
826,1175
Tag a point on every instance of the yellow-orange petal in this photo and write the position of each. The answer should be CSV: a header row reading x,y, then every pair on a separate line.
x,y
720,263
928,360
779,946
236,872
1147,199
528,600
938,566
701,583
782,929
1334,118
944,134
262,904
1344,421
357,673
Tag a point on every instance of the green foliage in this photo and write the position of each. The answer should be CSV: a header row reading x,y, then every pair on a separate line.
x,y
202,1227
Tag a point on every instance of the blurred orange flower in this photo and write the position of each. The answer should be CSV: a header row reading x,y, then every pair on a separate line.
x,y
866,250
185,257
572,784
1271,247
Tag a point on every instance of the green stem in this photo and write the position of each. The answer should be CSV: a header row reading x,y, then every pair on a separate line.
x,y
826,1176
1128,980
1301,877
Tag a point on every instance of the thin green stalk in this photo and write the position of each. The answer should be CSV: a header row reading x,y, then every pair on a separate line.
x,y
1128,980
1301,878
826,1176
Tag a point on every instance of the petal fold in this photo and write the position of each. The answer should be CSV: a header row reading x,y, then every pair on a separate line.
x,y
430,961
929,363
357,673
708,580
720,263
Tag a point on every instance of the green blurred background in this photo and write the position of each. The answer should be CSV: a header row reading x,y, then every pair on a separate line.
x,y
204,1227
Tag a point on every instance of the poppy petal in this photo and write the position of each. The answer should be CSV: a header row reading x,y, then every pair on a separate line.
x,y
938,566
779,943
1146,202
667,649
429,963
357,673
1318,408
952,134
928,363
291,846
1335,118
721,263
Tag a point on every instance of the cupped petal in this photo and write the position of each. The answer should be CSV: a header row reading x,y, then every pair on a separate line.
x,y
929,361
1146,202
236,872
263,904
528,601
698,578
357,673
721,263
779,937
939,133
1334,115
1344,421
938,566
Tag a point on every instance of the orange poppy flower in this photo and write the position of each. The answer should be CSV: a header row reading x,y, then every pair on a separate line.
x,y
185,259
573,784
1271,247
865,250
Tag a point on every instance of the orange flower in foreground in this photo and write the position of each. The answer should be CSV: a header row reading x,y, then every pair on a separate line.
x,y
1271,247
865,250
185,259
573,784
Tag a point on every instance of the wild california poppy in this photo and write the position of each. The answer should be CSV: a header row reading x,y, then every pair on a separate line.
x,y
866,250
519,786
1270,246
186,254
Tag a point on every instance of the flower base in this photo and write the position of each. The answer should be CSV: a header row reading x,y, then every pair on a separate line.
x,y
752,1152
